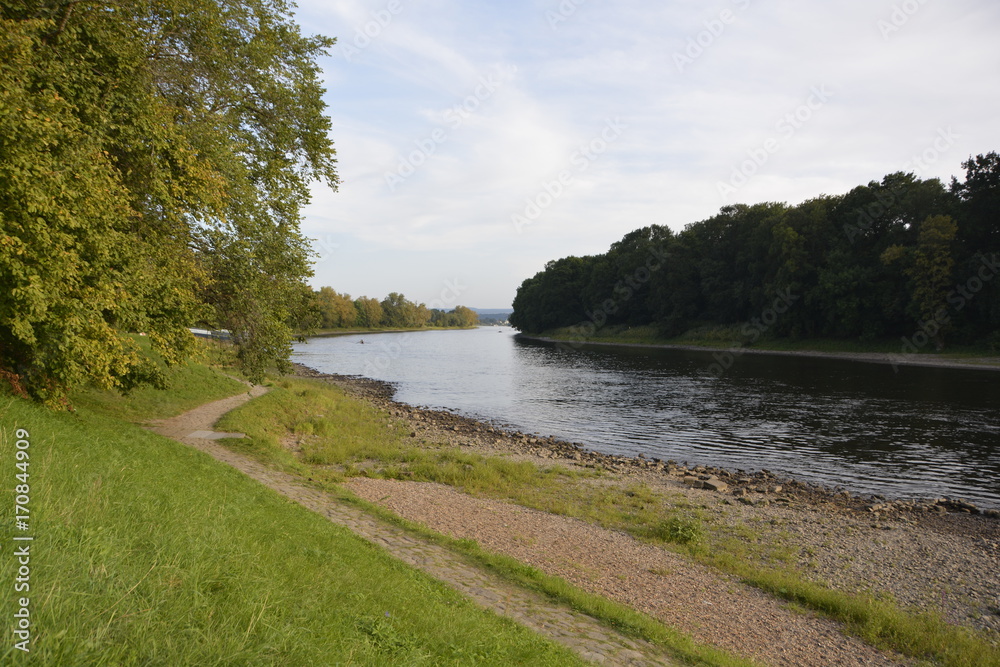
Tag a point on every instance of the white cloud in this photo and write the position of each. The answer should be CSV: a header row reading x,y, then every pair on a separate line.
x,y
687,130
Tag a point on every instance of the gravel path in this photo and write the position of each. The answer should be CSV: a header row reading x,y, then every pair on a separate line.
x,y
587,637
714,609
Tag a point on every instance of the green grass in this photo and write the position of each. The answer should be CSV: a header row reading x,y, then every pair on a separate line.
x,y
149,552
189,385
344,437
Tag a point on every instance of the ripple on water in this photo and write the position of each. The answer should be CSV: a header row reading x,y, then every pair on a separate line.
x,y
917,432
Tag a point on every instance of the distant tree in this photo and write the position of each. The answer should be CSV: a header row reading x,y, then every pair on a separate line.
x,y
337,310
460,317
466,317
400,312
396,311
421,315
929,265
978,214
369,312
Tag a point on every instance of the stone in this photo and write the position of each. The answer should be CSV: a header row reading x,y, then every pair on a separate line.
x,y
693,482
715,484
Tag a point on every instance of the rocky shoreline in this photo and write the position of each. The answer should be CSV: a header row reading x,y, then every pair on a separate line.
x,y
935,553
752,488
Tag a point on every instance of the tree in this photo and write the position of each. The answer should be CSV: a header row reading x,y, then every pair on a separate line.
x,y
460,317
979,245
929,265
400,312
154,158
337,310
369,312
466,317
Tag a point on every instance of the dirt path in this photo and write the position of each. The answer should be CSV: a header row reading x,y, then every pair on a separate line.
x,y
581,633
713,608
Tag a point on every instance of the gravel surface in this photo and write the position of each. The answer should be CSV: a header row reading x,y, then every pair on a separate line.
x,y
940,555
712,608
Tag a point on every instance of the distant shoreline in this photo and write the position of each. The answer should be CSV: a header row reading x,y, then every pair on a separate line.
x,y
973,363
357,332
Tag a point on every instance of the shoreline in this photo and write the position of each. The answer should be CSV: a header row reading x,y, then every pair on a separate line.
x,y
362,332
885,358
748,487
937,554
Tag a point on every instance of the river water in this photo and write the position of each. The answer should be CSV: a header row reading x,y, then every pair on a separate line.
x,y
910,432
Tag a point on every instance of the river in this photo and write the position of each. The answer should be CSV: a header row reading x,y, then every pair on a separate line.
x,y
903,433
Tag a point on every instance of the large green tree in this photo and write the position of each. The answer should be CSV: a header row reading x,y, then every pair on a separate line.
x,y
154,157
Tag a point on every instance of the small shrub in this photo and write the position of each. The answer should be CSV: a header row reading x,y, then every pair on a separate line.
x,y
678,530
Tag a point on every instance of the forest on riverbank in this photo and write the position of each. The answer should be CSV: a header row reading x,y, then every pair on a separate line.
x,y
328,309
897,258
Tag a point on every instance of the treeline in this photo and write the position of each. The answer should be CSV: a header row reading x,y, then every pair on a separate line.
x,y
154,160
328,309
901,257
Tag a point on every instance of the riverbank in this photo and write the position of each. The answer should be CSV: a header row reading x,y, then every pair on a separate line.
x,y
939,555
332,333
887,358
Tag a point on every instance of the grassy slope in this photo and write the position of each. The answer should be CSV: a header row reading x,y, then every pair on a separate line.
x,y
339,436
148,552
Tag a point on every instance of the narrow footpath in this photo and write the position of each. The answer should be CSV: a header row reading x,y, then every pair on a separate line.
x,y
583,634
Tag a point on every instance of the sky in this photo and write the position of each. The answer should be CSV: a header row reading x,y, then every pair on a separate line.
x,y
477,140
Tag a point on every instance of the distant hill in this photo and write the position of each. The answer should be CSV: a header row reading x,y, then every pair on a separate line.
x,y
493,315
493,312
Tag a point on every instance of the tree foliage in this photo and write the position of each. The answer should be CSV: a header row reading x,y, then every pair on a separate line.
x,y
154,157
337,311
884,259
